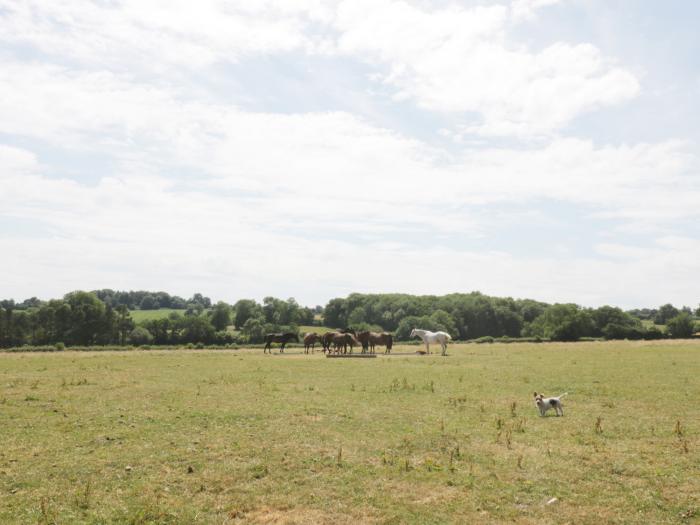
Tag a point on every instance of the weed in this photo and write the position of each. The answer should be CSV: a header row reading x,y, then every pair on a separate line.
x,y
678,430
259,471
599,425
47,515
82,499
509,436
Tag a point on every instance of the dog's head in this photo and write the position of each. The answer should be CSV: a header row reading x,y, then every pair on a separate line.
x,y
538,399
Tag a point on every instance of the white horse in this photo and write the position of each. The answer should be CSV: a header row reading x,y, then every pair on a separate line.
x,y
432,337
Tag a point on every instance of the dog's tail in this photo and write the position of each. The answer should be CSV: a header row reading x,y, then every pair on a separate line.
x,y
563,395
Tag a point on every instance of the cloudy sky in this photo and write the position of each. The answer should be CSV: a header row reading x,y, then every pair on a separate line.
x,y
312,148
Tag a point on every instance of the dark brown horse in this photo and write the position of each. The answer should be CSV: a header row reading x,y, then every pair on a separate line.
x,y
371,339
383,339
343,341
279,338
363,338
310,341
327,341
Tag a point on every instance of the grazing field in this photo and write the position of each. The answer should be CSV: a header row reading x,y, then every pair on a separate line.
x,y
147,315
307,329
238,437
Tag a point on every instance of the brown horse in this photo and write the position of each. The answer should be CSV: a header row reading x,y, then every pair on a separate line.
x,y
343,341
327,341
383,339
370,339
363,338
279,338
310,341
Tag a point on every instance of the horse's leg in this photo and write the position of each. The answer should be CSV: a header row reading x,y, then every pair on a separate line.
x,y
427,347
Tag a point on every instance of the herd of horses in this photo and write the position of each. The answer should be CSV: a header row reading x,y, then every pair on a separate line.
x,y
334,342
339,342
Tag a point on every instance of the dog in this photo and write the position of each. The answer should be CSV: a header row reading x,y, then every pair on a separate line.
x,y
545,403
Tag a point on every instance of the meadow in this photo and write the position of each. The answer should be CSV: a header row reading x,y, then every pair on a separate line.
x,y
140,316
239,437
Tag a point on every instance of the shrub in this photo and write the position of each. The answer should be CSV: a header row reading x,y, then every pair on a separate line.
x,y
60,347
653,333
619,331
485,339
681,326
140,336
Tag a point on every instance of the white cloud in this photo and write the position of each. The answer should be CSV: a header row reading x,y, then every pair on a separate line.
x,y
527,9
193,192
462,60
454,60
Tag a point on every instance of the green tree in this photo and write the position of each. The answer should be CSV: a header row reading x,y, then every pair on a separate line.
x,y
125,323
681,326
445,322
149,303
244,310
253,330
357,316
220,316
140,336
196,329
563,322
665,312
87,318
612,322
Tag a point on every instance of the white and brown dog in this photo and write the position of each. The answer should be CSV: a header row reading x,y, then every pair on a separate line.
x,y
545,403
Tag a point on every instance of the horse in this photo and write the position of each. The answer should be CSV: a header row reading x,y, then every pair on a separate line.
x,y
279,338
370,339
327,341
363,338
432,337
384,338
310,341
342,341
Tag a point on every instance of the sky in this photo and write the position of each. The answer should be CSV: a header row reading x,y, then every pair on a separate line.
x,y
314,148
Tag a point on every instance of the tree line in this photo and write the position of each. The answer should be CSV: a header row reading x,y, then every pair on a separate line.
x,y
476,315
104,317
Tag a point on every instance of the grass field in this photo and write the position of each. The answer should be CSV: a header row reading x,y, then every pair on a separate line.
x,y
147,315
305,329
238,437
